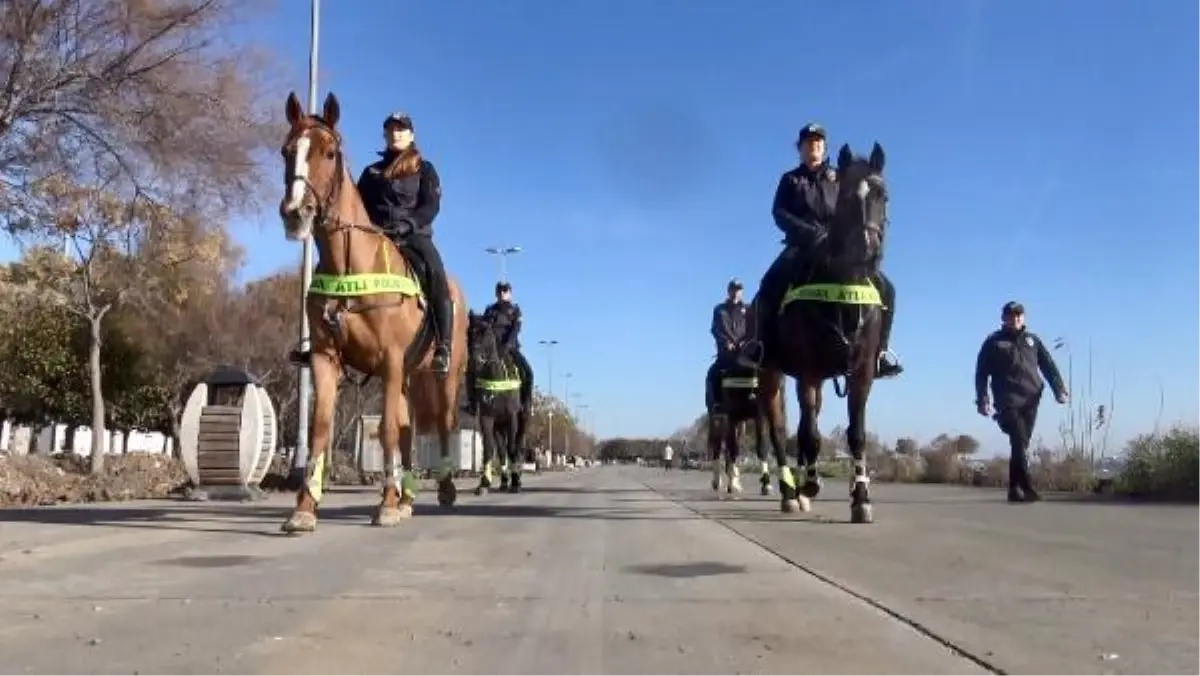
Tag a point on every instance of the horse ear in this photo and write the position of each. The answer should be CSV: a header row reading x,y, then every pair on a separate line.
x,y
845,157
332,111
293,109
877,158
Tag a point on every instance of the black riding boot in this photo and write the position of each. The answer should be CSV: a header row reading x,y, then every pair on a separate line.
x,y
443,316
771,289
889,365
472,407
712,390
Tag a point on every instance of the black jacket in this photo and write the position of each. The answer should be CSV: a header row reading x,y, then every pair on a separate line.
x,y
729,324
804,203
401,206
1015,362
505,317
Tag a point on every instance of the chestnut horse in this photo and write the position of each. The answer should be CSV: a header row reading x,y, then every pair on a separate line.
x,y
829,327
367,311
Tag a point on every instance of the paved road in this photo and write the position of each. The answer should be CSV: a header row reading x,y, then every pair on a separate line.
x,y
610,570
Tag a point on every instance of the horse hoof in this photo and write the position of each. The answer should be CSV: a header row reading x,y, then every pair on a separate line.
x,y
805,503
811,489
447,492
764,489
300,522
862,514
482,490
716,485
735,487
390,517
789,506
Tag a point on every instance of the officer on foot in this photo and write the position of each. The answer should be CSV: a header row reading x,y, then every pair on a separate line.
x,y
1014,359
729,332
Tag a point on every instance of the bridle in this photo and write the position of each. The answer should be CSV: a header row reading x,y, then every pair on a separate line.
x,y
324,217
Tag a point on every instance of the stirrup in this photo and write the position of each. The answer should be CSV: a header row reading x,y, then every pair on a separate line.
x,y
888,368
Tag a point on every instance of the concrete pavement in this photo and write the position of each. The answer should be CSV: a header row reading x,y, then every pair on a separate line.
x,y
609,570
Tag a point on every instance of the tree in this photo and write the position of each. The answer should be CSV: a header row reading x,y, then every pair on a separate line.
x,y
907,446
147,99
965,444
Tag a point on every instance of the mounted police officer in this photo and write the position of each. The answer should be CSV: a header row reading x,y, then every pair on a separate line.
x,y
402,194
804,205
1014,360
505,318
729,331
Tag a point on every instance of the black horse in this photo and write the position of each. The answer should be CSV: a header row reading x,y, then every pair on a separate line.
x,y
740,404
830,327
498,385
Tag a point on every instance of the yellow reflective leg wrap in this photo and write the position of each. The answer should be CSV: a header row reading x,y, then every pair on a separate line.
x,y
315,482
785,475
488,472
448,468
408,485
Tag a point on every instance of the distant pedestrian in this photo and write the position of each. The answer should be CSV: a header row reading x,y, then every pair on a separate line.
x,y
668,457
1014,359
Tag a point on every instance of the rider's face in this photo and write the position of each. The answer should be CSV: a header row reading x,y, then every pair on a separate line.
x,y
397,137
735,294
1013,321
504,295
812,150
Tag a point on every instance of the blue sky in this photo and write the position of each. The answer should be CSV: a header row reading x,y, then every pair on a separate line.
x,y
1042,151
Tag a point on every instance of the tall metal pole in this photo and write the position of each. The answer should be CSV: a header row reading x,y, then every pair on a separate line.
x,y
300,459
549,390
567,410
503,252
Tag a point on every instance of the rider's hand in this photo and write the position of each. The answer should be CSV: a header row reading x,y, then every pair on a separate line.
x,y
984,408
729,347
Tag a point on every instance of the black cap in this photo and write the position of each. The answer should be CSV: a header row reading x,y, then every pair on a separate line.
x,y
811,129
1012,308
734,283
398,118
503,286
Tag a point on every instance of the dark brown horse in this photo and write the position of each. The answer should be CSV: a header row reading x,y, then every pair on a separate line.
x,y
740,404
829,327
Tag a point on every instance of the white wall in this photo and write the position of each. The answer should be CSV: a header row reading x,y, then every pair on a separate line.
x,y
16,439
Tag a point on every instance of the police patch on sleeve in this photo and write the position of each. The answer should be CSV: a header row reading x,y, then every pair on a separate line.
x,y
1029,341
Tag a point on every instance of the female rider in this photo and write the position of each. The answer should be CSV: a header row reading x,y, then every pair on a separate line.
x,y
402,194
804,205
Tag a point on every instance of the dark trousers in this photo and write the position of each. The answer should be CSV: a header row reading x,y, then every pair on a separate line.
x,y
439,290
1017,422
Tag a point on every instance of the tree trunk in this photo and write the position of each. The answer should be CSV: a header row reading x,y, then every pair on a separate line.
x,y
125,441
97,396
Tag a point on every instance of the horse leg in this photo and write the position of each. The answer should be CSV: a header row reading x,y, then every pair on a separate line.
x,y
716,440
446,417
325,374
487,430
856,433
808,438
516,457
732,454
771,403
396,437
501,445
760,451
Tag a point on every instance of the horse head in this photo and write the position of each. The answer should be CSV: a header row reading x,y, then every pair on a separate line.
x,y
482,345
314,168
860,219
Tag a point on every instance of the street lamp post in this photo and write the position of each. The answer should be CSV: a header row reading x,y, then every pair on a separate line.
x,y
567,409
300,458
503,252
583,411
549,390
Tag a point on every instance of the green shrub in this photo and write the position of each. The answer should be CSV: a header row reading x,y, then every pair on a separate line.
x,y
1163,466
